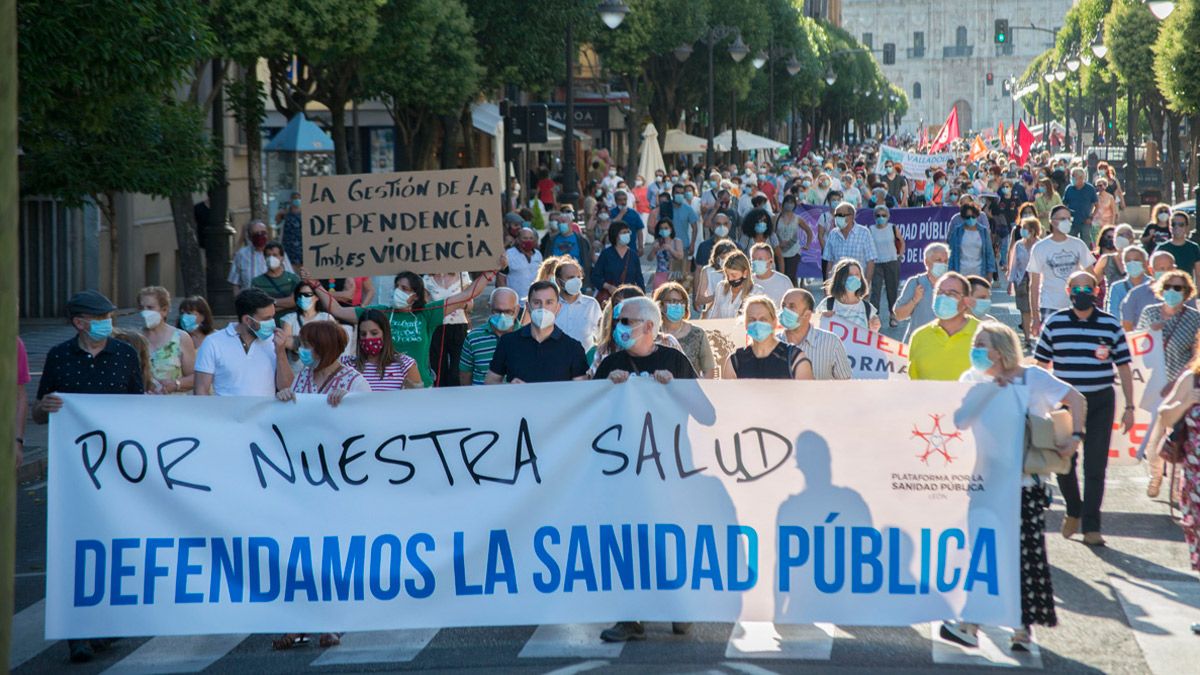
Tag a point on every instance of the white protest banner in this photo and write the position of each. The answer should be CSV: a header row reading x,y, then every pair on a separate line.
x,y
472,506
1149,374
873,356
913,164
384,223
724,337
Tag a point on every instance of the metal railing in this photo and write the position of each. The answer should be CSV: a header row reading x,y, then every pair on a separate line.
x,y
958,51
915,52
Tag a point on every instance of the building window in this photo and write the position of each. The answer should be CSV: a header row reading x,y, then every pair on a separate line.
x,y
868,40
916,90
918,48
960,37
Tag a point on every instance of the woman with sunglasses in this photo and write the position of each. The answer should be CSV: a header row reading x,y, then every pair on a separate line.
x,y
766,358
1179,323
308,310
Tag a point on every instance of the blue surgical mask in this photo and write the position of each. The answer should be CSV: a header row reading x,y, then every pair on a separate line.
x,y
676,311
1172,297
307,357
664,232
678,199
841,220
939,268
623,335
564,228
881,220
623,238
1158,274
688,196
99,329
979,359
789,319
969,221
760,227
1024,233
853,284
759,330
759,267
500,321
305,302
266,329
296,203
1135,268
189,322
945,307
981,307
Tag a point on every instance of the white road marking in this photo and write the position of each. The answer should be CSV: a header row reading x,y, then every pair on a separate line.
x,y
570,640
1160,612
28,634
178,654
766,640
993,650
376,646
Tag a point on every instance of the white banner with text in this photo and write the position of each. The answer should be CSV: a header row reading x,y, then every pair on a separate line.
x,y
535,504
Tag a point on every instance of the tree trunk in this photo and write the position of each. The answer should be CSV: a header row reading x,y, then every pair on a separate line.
x,y
190,262
341,154
466,127
1173,175
446,158
216,239
1194,156
106,201
252,128
633,119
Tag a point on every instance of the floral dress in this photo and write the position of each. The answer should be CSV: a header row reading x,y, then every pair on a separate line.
x,y
1189,497
166,362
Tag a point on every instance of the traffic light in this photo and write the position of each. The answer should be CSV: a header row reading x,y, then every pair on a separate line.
x,y
989,79
889,54
1001,31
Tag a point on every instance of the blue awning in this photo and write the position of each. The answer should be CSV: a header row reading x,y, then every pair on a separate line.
x,y
300,135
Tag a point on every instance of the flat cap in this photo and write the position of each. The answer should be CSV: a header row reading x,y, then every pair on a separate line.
x,y
89,302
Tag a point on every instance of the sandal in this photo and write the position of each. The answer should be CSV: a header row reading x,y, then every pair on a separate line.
x,y
1155,486
1020,640
330,640
289,640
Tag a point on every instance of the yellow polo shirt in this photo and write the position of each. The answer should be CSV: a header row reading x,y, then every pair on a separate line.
x,y
934,355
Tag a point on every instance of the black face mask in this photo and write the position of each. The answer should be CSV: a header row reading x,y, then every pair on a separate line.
x,y
1083,301
737,283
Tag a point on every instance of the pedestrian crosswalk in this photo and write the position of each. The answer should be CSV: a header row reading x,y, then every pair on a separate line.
x,y
747,643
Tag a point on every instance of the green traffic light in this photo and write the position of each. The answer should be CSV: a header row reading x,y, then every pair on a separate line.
x,y
1001,37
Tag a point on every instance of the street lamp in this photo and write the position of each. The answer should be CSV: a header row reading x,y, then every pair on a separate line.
x,y
1048,77
737,51
1073,62
612,13
793,65
1098,46
1160,9
1086,58
830,76
759,60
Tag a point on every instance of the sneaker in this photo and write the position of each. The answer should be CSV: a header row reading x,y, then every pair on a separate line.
x,y
960,633
1020,640
681,627
1093,539
1196,628
623,631
81,651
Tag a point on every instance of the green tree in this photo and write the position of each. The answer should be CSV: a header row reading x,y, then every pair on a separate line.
x,y
1177,72
98,109
1130,32
424,64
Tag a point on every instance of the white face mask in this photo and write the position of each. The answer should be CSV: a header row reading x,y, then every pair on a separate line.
x,y
721,230
542,318
273,262
1121,243
151,317
573,285
400,298
1064,226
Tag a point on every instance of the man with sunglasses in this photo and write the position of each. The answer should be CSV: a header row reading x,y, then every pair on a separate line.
x,y
1186,252
1083,345
846,239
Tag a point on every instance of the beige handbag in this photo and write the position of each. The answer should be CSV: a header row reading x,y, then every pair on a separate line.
x,y
1043,435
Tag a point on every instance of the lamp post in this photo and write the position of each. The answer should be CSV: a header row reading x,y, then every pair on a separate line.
x,y
737,51
612,13
1048,77
1073,63
768,57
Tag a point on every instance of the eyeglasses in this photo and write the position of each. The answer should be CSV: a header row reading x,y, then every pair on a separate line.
x,y
630,320
1174,287
1178,224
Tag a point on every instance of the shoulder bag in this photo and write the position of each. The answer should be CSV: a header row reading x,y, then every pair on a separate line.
x,y
1043,435
1172,447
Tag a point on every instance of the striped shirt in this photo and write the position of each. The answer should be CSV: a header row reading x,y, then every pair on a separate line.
x,y
827,353
477,352
1083,352
860,246
393,375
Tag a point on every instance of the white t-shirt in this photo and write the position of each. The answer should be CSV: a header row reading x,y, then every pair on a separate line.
x,y
885,242
236,371
293,320
454,286
775,286
580,319
856,313
972,251
1056,261
522,271
852,195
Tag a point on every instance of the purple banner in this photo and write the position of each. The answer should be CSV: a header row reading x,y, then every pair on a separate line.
x,y
919,227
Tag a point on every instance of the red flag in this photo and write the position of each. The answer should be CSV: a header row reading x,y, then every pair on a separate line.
x,y
1001,136
924,140
948,133
1023,144
807,147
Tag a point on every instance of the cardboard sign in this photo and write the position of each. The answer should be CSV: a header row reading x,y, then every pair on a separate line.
x,y
384,223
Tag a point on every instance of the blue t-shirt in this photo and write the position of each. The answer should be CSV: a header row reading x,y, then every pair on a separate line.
x,y
566,244
1080,201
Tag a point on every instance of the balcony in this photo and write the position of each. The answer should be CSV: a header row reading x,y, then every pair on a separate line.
x,y
1005,49
958,51
915,52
